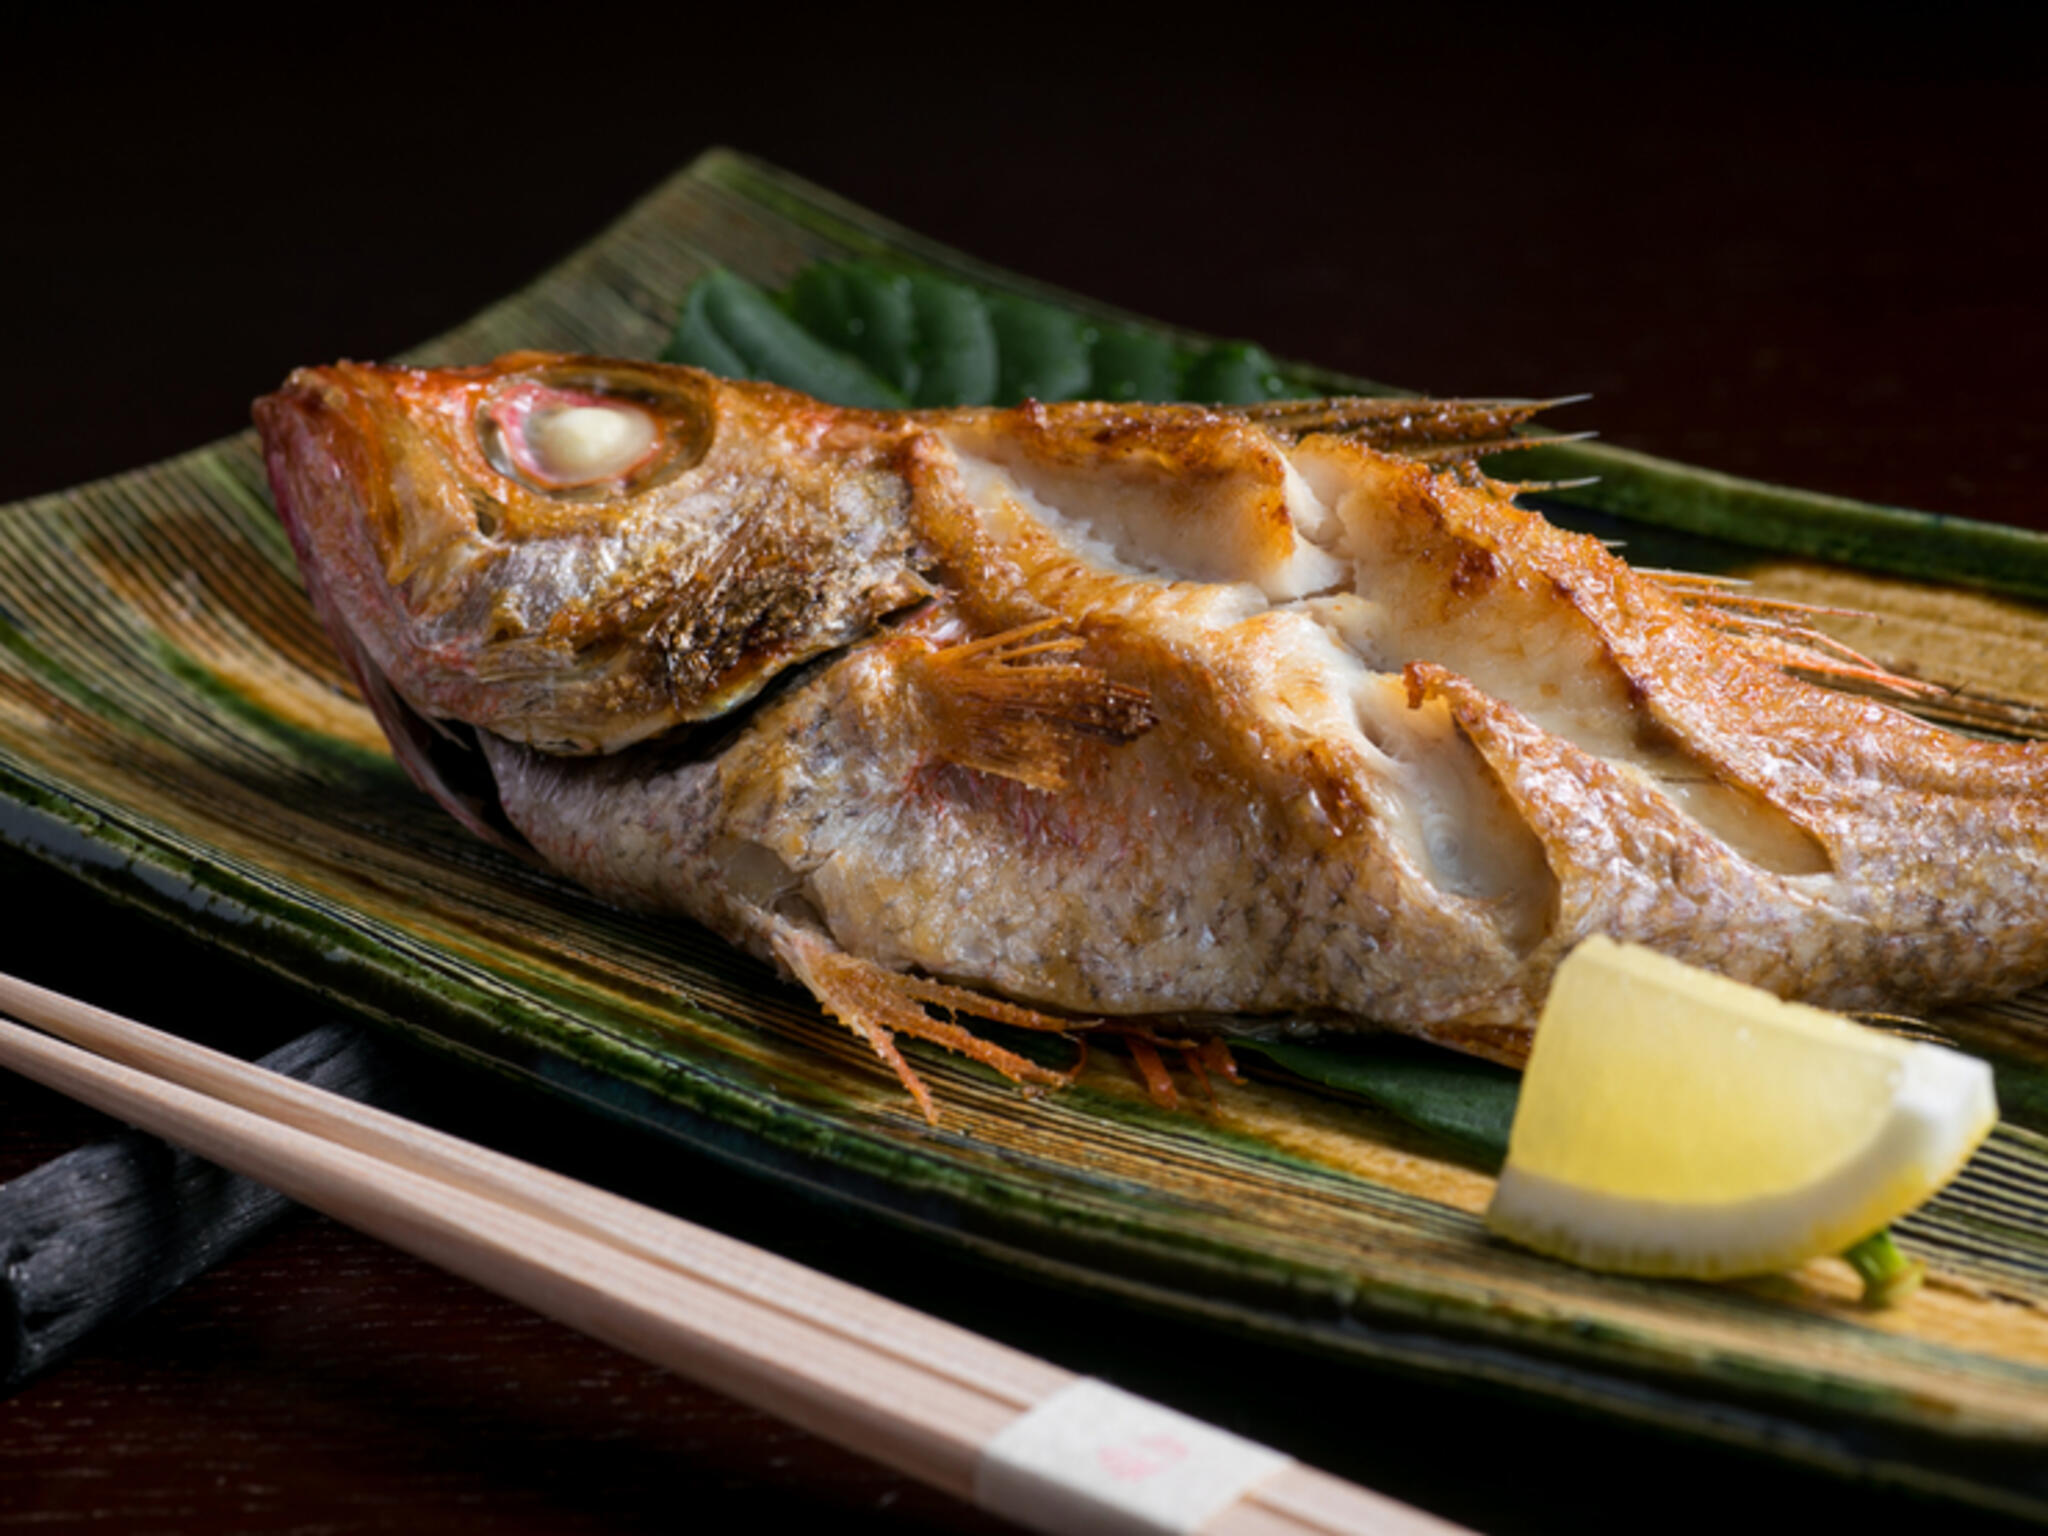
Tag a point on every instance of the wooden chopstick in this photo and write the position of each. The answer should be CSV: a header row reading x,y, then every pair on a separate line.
x,y
882,1379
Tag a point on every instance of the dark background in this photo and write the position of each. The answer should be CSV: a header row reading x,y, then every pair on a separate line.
x,y
1808,253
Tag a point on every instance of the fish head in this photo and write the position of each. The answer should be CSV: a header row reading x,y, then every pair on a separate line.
x,y
580,553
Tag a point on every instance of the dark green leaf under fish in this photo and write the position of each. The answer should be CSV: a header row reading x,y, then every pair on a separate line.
x,y
864,311
955,344
726,320
1044,351
1460,1098
862,334
1136,365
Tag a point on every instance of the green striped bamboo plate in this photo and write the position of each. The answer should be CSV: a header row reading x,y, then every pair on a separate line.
x,y
175,731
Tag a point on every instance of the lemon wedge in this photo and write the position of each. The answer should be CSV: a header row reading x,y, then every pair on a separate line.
x,y
1673,1122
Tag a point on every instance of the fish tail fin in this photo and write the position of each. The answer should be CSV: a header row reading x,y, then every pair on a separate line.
x,y
879,1004
1018,705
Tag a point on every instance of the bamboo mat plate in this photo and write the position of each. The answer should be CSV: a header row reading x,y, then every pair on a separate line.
x,y
175,732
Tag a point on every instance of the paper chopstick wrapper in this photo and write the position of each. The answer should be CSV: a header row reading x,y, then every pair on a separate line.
x,y
1093,1460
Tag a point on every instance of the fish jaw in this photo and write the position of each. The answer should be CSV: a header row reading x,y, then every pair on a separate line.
x,y
758,529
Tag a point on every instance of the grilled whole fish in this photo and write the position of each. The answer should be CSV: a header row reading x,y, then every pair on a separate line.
x,y
1117,710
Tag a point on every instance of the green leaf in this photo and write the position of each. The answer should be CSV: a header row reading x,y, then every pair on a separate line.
x,y
1136,365
861,333
1464,1100
770,345
697,342
2022,1088
1043,351
864,310
1235,373
956,344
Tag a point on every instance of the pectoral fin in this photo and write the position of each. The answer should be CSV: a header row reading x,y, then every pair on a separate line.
x,y
1017,705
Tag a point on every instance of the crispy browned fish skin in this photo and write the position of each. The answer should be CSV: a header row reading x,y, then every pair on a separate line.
x,y
1270,727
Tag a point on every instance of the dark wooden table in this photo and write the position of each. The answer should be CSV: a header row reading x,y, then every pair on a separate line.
x,y
1797,256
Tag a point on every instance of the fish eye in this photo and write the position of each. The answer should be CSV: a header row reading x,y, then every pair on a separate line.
x,y
588,436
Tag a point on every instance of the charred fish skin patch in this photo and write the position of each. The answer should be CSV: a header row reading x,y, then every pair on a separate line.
x,y
1091,710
